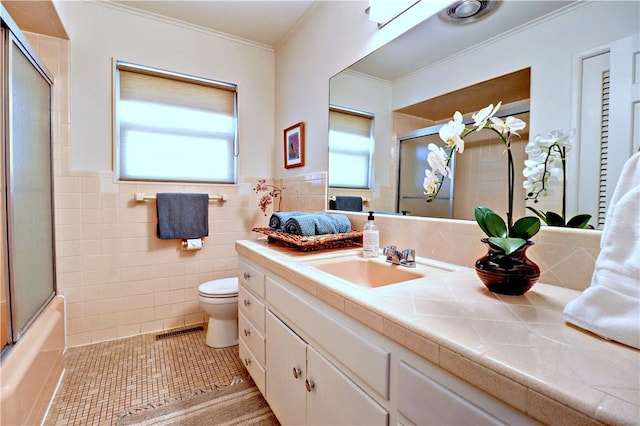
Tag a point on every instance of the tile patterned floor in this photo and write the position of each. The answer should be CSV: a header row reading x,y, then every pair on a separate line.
x,y
105,381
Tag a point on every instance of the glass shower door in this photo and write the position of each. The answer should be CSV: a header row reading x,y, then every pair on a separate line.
x,y
413,161
28,174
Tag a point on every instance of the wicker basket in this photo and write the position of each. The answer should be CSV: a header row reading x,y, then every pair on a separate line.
x,y
316,242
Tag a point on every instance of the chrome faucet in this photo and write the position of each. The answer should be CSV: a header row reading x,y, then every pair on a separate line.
x,y
406,257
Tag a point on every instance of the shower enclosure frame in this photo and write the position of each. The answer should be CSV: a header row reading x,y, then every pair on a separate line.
x,y
21,192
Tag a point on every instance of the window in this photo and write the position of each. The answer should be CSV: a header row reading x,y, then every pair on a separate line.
x,y
350,148
173,127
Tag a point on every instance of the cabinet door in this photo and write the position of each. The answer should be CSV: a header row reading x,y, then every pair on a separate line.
x,y
333,399
426,402
285,360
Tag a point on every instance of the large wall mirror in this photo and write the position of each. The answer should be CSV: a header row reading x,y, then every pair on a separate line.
x,y
553,63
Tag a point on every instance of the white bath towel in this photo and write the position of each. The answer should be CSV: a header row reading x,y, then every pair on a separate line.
x,y
610,307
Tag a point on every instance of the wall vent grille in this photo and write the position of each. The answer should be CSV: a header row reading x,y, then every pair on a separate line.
x,y
179,332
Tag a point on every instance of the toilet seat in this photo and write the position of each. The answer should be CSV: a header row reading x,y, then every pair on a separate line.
x,y
222,288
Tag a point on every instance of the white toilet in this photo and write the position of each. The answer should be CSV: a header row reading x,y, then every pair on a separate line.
x,y
219,299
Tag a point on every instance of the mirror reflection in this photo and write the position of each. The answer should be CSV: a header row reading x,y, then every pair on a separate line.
x,y
415,83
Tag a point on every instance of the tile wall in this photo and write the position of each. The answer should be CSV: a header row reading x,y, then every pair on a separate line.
x,y
118,279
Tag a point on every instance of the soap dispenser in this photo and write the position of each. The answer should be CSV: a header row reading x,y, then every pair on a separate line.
x,y
370,237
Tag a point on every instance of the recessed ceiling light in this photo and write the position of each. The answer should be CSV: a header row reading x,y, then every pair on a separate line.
x,y
467,11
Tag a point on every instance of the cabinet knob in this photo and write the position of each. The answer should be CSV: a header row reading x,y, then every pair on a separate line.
x,y
309,384
247,361
246,302
246,275
247,332
296,372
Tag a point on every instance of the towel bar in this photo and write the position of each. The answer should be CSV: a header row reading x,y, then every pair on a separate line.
x,y
141,196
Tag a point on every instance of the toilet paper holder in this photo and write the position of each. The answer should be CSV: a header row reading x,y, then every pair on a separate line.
x,y
192,244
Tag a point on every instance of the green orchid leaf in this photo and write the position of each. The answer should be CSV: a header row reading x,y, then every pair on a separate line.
x,y
490,222
525,227
538,213
508,245
554,219
495,224
479,213
579,221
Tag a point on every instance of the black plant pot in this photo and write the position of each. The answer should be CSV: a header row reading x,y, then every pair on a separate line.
x,y
512,274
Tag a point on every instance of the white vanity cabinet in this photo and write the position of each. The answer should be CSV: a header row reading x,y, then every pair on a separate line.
x,y
251,321
316,365
305,388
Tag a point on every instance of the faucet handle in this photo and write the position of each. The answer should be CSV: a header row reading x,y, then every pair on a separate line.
x,y
409,257
389,250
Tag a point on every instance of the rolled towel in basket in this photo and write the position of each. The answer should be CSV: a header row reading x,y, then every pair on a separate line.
x,y
310,224
278,219
341,222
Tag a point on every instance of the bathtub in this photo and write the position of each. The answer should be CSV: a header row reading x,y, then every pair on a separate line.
x,y
31,371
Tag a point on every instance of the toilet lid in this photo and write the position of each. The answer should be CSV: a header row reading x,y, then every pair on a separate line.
x,y
219,288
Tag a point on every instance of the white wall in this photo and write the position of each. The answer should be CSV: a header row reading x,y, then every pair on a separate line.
x,y
101,33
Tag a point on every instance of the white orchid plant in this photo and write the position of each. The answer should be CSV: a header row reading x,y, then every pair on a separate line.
x,y
546,166
507,236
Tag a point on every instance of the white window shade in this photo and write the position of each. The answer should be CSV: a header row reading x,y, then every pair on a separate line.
x,y
174,128
350,149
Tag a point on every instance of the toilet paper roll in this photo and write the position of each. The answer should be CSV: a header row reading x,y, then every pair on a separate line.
x,y
192,244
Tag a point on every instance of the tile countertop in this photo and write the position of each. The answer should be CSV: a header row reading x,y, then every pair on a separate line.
x,y
516,348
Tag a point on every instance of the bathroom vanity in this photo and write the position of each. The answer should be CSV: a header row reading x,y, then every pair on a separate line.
x,y
433,347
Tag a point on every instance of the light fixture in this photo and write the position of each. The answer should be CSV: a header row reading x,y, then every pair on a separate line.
x,y
383,11
467,11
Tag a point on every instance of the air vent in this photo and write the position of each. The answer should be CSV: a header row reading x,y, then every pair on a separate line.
x,y
467,11
179,332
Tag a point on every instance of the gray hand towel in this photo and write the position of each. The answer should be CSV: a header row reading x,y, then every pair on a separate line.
x,y
347,203
182,216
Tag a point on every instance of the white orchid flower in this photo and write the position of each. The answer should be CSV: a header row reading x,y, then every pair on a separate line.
x,y
533,150
531,186
450,132
546,141
564,138
430,183
510,125
437,159
480,118
533,170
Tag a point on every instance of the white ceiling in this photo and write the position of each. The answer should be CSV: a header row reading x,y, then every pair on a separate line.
x,y
434,39
270,22
262,21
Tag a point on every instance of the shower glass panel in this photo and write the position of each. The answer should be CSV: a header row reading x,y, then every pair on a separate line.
x,y
29,193
413,160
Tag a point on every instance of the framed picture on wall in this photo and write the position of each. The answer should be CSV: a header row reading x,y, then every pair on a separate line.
x,y
294,146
